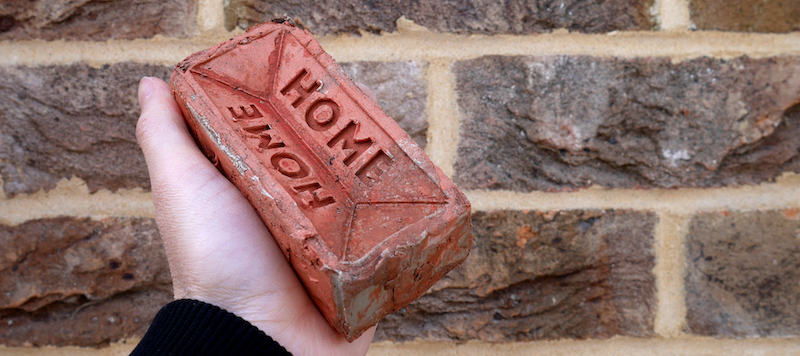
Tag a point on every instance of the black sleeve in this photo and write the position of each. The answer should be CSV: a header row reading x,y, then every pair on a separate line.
x,y
190,327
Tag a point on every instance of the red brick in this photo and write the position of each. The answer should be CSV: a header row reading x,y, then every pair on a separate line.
x,y
367,221
742,278
473,16
566,122
71,121
96,19
541,275
75,281
746,15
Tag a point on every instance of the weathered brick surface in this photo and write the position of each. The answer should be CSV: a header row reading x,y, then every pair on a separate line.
x,y
75,281
95,19
63,121
534,275
399,89
85,322
743,278
564,122
746,15
473,16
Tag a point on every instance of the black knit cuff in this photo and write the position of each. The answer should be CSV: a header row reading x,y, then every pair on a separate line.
x,y
190,327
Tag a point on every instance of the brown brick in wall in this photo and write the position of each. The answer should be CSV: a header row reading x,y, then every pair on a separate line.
x,y
75,281
565,122
537,275
399,89
63,121
95,19
84,322
472,16
746,15
743,275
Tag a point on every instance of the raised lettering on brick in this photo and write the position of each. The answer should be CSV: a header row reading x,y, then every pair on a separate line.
x,y
323,115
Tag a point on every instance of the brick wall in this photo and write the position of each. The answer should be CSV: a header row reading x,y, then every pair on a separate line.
x,y
632,165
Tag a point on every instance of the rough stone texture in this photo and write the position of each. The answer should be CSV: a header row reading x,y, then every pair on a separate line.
x,y
399,89
75,281
746,15
95,19
63,121
744,274
83,322
534,275
473,16
564,122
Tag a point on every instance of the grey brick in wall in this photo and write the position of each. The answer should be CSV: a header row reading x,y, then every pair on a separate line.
x,y
541,275
565,122
471,16
75,281
743,278
95,19
63,121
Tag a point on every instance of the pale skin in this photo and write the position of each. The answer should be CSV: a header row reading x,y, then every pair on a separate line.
x,y
219,250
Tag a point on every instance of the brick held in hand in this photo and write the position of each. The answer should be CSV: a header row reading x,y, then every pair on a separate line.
x,y
364,217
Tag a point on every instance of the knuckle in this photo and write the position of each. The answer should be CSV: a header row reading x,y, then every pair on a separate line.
x,y
145,129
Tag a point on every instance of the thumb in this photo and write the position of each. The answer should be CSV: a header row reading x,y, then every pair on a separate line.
x,y
161,131
184,183
169,149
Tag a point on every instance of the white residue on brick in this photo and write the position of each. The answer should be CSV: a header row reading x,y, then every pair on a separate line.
x,y
674,156
203,121
260,186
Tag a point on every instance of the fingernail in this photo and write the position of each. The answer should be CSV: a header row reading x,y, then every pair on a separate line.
x,y
146,87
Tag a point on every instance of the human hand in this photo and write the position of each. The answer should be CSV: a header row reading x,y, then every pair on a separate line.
x,y
219,250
